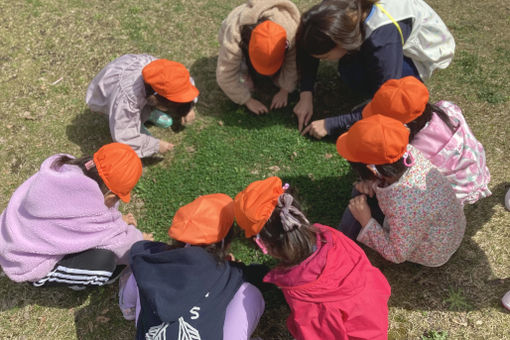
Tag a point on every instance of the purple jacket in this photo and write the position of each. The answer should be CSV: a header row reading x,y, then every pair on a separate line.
x,y
55,213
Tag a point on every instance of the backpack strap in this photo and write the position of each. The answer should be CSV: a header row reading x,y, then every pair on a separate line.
x,y
392,20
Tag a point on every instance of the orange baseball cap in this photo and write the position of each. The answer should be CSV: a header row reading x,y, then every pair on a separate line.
x,y
206,220
254,205
119,167
403,99
374,140
267,47
171,80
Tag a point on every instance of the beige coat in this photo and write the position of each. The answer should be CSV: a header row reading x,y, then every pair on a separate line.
x,y
228,70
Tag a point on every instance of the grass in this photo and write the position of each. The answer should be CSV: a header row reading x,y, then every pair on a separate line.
x,y
227,148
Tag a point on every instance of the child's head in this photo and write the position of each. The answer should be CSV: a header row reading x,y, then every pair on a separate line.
x,y
405,99
169,87
205,222
331,28
264,210
377,140
115,167
264,44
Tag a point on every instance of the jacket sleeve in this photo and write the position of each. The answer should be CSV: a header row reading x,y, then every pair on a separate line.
x,y
287,78
121,242
394,243
228,69
125,125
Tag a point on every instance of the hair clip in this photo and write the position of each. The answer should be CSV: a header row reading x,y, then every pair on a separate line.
x,y
285,186
89,165
261,244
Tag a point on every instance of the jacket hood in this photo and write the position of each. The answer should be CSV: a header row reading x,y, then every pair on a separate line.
x,y
173,281
336,263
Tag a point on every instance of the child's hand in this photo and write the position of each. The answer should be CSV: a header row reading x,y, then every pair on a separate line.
x,y
256,107
189,117
165,146
279,99
304,109
148,237
365,187
129,219
360,209
316,129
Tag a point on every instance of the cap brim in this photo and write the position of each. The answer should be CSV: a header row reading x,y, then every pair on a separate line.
x,y
343,149
185,96
125,198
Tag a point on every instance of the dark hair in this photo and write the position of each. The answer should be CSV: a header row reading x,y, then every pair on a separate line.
x,y
218,250
393,170
331,23
419,123
80,162
363,172
244,44
289,247
173,108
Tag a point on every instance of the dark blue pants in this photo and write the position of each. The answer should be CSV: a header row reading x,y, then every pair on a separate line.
x,y
350,226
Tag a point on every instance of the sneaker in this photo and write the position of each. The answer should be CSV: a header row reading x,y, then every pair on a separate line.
x,y
507,200
129,313
505,300
160,119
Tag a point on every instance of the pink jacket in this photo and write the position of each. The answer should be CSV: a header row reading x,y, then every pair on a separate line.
x,y
458,155
336,293
55,213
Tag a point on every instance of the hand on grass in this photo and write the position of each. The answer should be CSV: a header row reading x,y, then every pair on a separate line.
x,y
129,219
316,129
256,107
148,236
189,117
165,146
360,210
365,187
304,109
279,99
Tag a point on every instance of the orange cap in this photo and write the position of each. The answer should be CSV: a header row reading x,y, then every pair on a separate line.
x,y
206,220
403,99
254,205
267,47
170,79
119,167
374,140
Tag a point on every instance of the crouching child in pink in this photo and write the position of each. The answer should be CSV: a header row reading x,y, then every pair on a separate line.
x,y
332,289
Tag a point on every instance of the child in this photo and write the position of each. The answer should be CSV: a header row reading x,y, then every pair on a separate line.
x,y
135,88
374,41
439,131
62,226
423,221
332,289
190,287
257,38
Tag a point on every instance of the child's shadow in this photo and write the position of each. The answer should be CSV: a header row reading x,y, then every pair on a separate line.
x,y
90,131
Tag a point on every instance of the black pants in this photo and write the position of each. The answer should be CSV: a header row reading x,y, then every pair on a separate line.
x,y
350,226
92,267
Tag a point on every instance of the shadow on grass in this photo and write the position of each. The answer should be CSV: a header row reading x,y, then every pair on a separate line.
x,y
90,131
213,102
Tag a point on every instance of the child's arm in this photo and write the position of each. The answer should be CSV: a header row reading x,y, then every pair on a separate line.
x,y
125,125
395,243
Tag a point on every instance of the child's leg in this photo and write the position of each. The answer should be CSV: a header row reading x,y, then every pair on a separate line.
x,y
243,313
92,267
128,298
350,226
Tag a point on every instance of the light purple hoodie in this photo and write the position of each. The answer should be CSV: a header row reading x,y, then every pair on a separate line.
x,y
55,213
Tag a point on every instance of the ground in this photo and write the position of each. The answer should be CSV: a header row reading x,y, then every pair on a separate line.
x,y
49,52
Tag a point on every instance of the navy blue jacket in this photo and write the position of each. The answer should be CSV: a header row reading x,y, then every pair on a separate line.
x,y
184,292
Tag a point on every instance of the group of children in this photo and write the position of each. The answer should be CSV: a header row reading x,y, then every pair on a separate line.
x,y
418,164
